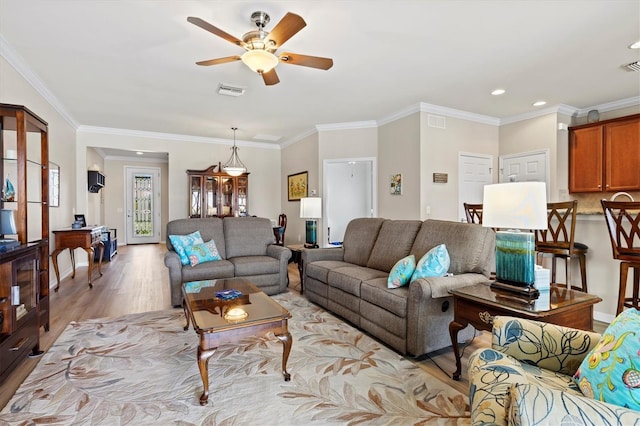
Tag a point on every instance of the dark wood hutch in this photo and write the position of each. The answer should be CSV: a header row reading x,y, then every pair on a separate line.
x,y
214,193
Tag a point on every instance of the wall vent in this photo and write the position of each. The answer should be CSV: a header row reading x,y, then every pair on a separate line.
x,y
229,90
634,66
436,121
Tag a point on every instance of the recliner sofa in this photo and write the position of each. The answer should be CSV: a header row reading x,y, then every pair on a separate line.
x,y
352,281
246,246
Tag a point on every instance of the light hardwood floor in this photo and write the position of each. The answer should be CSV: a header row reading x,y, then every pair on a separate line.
x,y
136,280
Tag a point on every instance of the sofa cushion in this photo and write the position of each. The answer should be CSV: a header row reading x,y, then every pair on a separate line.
x,y
208,271
210,228
402,272
537,405
320,269
201,253
181,242
376,292
435,263
394,242
247,236
255,265
359,238
349,278
470,246
611,371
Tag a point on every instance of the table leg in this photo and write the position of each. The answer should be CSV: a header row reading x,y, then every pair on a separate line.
x,y
454,328
287,341
72,254
100,252
300,272
186,314
203,365
54,258
90,253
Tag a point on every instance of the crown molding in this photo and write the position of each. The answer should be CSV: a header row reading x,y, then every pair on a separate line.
x,y
172,137
612,106
555,109
21,67
346,126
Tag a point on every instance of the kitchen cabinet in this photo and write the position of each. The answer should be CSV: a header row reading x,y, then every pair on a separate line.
x,y
214,193
605,156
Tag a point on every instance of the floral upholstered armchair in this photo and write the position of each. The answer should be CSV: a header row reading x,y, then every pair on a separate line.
x,y
526,377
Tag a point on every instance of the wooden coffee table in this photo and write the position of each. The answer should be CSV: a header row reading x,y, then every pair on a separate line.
x,y
478,304
211,319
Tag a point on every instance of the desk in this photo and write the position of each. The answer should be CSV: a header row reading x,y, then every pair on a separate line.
x,y
478,304
86,238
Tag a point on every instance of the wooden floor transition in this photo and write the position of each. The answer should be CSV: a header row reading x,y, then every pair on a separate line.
x,y
136,280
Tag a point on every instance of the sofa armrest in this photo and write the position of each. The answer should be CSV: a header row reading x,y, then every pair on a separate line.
x,y
279,252
440,286
314,255
548,346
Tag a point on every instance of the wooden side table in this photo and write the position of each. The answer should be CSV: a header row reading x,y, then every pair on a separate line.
x,y
296,257
478,304
86,238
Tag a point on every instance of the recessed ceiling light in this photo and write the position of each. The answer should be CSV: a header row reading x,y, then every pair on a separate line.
x,y
139,152
635,45
498,92
539,103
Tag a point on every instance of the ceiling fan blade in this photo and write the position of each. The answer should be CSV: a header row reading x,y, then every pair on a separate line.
x,y
285,29
270,78
306,61
219,60
215,30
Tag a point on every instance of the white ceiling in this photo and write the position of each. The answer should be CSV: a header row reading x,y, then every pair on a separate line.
x,y
131,64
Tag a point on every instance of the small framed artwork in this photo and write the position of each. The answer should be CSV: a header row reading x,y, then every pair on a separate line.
x,y
297,186
396,184
54,184
79,219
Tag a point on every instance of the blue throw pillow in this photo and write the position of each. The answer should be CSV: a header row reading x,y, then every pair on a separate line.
x,y
179,242
435,263
201,253
611,371
401,272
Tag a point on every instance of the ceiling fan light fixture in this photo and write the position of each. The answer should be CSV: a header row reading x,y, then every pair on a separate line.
x,y
233,166
259,61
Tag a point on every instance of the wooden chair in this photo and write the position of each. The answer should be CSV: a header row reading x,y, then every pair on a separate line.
x,y
279,230
473,212
623,223
558,240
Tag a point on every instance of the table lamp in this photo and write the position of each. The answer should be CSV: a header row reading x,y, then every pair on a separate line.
x,y
518,207
311,209
7,227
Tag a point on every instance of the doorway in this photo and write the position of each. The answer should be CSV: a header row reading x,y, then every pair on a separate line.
x,y
349,192
475,171
525,167
143,211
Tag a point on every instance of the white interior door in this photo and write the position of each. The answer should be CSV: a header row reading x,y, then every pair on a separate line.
x,y
474,173
349,189
143,205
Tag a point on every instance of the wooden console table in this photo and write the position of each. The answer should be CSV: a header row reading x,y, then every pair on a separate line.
x,y
86,238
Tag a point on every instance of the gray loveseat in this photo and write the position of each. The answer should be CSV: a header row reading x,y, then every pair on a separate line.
x,y
352,281
246,245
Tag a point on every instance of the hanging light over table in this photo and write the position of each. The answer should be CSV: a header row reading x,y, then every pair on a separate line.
x,y
234,166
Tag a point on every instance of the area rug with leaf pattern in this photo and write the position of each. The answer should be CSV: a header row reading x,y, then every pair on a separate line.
x,y
141,369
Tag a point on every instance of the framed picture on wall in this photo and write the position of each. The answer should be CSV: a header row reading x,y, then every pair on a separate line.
x,y
297,186
396,184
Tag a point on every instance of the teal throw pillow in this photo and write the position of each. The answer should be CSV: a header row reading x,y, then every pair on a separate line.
x,y
401,272
435,263
201,253
611,371
179,242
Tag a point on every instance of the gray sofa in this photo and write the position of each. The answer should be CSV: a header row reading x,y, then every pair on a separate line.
x,y
246,245
352,281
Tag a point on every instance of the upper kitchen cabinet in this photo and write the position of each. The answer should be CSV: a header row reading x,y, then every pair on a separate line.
x,y
605,156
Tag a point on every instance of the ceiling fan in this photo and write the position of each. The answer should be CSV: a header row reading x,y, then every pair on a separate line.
x,y
261,46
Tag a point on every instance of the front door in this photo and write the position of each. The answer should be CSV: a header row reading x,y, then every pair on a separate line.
x,y
143,205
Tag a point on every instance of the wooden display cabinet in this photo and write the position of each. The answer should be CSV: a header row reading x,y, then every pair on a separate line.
x,y
605,156
24,271
214,193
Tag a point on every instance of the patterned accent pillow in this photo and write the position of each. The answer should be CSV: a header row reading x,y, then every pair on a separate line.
x,y
401,272
435,263
179,242
203,252
611,371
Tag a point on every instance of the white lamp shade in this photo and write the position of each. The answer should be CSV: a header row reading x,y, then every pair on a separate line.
x,y
311,208
7,222
259,60
515,205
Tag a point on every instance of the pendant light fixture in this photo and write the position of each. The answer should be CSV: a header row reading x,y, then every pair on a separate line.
x,y
234,166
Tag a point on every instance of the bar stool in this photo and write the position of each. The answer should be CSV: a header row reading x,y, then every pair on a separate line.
x,y
623,223
473,212
558,240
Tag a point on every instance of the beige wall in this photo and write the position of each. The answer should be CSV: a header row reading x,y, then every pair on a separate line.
x,y
94,211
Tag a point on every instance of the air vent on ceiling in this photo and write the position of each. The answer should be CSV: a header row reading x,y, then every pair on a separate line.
x,y
229,90
634,66
436,121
